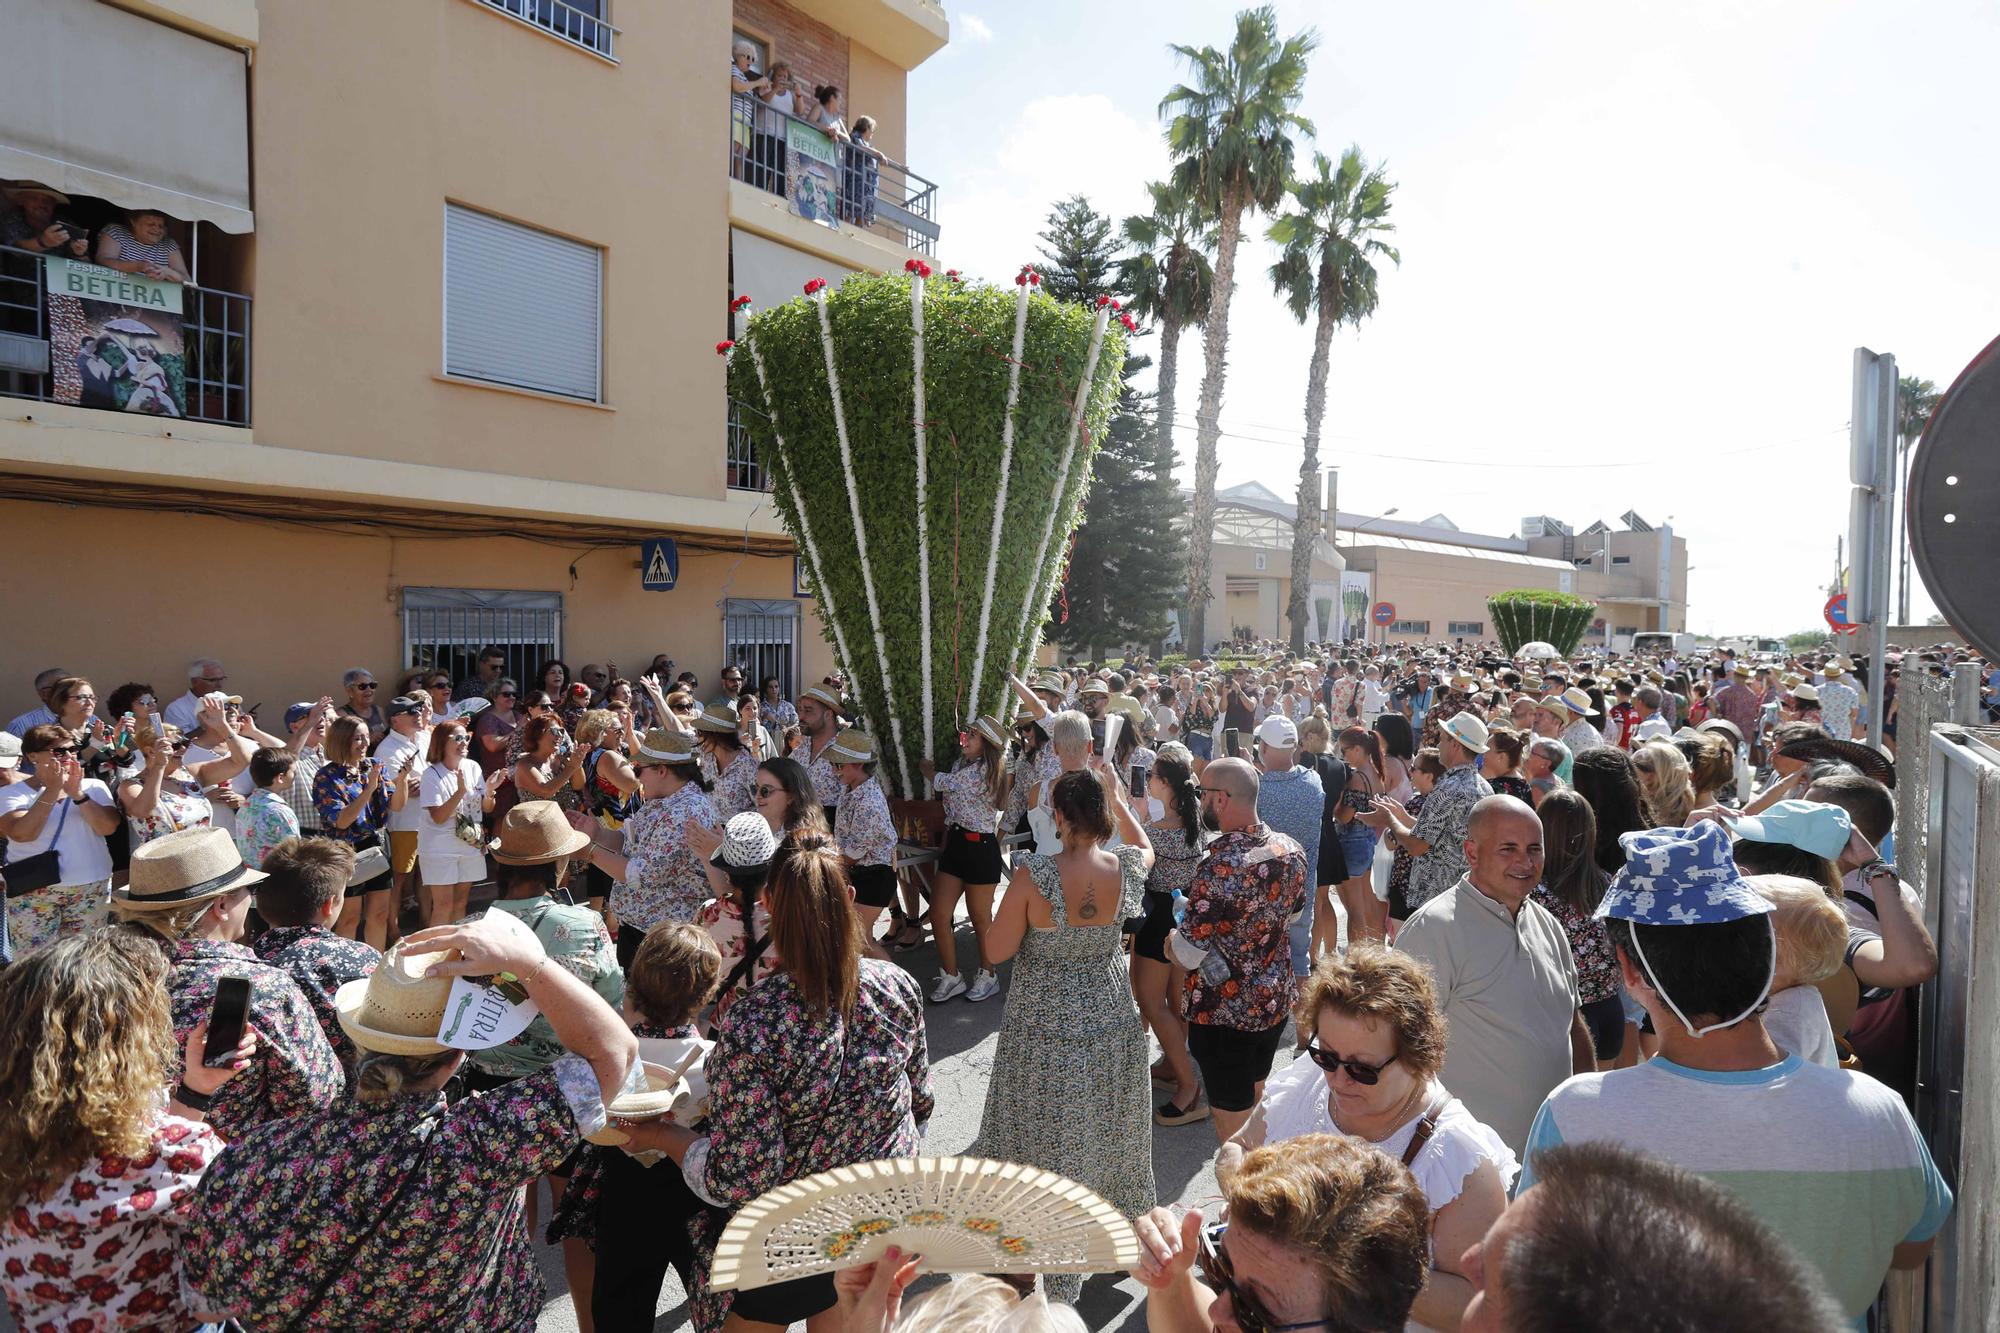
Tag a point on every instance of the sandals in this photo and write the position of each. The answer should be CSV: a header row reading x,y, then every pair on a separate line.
x,y
1169,1114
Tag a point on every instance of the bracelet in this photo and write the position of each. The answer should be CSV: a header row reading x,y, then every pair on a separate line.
x,y
194,1101
536,973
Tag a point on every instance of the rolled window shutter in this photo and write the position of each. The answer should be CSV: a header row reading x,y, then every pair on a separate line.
x,y
521,306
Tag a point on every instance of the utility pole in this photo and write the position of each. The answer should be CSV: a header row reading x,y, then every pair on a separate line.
x,y
1871,517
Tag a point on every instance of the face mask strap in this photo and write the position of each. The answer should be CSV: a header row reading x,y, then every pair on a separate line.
x,y
1639,951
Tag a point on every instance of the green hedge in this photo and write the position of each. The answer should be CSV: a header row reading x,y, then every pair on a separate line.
x,y
968,342
1526,615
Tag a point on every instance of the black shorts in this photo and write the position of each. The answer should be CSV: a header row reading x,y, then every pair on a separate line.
x,y
1333,867
786,1303
629,940
1158,920
974,858
1233,1062
874,886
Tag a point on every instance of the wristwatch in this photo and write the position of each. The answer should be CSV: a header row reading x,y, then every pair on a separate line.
x,y
194,1101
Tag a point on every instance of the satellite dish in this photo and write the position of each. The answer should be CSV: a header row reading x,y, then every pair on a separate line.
x,y
1954,498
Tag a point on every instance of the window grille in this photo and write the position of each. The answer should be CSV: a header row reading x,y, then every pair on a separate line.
x,y
446,628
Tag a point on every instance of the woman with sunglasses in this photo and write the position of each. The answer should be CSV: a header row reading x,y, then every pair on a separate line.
x,y
454,797
57,809
493,733
362,688
1371,1073
783,795
437,684
165,793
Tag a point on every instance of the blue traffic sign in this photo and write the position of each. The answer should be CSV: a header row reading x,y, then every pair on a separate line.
x,y
659,564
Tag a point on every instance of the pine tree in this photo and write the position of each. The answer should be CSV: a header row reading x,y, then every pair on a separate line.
x,y
1128,556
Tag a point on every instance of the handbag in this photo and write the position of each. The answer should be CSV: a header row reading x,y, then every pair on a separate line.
x,y
1378,874
369,863
42,869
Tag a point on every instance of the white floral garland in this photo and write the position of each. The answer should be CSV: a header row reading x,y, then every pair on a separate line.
x,y
1046,585
805,524
861,532
923,520
1000,503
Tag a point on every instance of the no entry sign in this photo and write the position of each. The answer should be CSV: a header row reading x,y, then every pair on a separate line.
x,y
1384,613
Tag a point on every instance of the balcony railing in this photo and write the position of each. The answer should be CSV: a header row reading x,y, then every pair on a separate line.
x,y
871,192
580,24
745,471
215,343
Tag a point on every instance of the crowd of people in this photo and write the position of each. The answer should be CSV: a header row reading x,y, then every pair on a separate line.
x,y
1491,979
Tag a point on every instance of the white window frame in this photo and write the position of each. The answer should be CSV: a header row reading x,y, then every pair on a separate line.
x,y
1466,629
1411,627
444,308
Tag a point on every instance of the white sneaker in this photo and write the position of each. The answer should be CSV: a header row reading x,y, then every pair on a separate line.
x,y
949,984
984,986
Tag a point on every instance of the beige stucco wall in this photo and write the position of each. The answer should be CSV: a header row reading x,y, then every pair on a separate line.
x,y
878,87
288,609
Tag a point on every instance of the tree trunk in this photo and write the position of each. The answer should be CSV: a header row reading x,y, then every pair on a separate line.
x,y
1163,420
1208,426
1305,528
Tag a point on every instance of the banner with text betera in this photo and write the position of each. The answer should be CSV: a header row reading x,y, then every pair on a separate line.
x,y
812,174
115,339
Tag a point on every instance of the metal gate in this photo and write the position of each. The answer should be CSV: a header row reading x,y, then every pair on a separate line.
x,y
445,629
762,637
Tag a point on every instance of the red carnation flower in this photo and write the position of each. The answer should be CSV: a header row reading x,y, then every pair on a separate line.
x,y
1103,301
1020,279
923,269
909,266
739,303
1034,278
722,348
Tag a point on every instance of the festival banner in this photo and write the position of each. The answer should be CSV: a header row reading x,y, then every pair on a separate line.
x,y
115,339
812,174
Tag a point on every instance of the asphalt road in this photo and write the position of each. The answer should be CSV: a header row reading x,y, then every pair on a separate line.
x,y
962,1040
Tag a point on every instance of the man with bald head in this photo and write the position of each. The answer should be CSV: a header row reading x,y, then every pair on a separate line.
x,y
1504,973
1232,939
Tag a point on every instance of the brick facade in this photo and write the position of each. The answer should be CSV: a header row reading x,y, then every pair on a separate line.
x,y
818,54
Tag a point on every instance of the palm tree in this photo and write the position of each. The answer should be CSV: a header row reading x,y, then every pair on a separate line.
x,y
1230,135
1171,281
1327,267
1916,399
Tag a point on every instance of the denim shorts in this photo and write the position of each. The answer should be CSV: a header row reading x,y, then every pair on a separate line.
x,y
1357,844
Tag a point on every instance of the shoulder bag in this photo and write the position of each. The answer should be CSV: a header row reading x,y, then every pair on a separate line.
x,y
42,869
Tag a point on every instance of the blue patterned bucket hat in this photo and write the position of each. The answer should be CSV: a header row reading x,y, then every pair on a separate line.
x,y
1680,877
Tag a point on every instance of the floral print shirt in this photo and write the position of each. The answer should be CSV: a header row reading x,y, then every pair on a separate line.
x,y
968,803
1441,827
405,1214
263,822
735,789
321,962
1596,963
863,828
777,716
334,788
576,939
181,806
98,1253
793,1091
826,782
294,1070
1245,892
722,918
664,879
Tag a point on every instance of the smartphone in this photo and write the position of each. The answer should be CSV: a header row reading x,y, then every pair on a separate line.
x,y
1139,780
1097,735
1232,743
226,1019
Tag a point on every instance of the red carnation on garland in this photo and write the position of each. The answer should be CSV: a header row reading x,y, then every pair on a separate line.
x,y
909,266
815,285
722,348
739,303
951,274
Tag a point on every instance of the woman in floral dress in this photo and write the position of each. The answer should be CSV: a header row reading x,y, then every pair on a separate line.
x,y
784,796
822,1065
1070,1091
1572,883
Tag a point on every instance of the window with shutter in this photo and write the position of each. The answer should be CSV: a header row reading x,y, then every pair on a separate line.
x,y
521,306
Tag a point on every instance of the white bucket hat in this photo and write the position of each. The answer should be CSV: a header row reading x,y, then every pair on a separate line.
x,y
1467,730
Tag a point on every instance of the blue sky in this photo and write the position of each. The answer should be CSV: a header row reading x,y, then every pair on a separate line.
x,y
1640,243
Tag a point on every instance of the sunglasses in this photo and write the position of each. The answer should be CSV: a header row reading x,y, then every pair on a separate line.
x,y
62,749
1250,1313
765,792
365,685
1329,1060
507,694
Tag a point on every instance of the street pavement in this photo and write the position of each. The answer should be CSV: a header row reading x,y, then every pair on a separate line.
x,y
962,1040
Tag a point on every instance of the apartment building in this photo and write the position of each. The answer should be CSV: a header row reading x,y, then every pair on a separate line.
x,y
439,371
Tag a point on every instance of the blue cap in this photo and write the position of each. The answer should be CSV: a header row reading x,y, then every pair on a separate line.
x,y
1680,877
1810,826
296,714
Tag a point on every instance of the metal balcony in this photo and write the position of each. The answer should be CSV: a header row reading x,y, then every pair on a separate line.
x,y
872,192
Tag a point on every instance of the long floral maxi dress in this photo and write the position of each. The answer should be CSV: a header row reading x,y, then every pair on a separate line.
x,y
1070,1091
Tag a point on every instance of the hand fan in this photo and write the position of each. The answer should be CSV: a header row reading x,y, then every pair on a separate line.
x,y
962,1214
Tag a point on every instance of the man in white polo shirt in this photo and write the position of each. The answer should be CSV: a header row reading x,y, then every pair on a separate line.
x,y
1504,973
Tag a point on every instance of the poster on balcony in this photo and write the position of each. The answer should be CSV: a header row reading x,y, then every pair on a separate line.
x,y
115,340
812,174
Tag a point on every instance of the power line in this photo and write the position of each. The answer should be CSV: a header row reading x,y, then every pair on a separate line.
x,y
1298,442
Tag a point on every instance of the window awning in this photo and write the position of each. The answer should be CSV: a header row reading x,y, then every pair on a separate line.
x,y
99,101
772,274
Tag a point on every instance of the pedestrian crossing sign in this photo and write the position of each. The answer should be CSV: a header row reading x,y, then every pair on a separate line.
x,y
659,564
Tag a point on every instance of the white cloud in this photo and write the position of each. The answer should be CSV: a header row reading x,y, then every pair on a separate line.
x,y
973,27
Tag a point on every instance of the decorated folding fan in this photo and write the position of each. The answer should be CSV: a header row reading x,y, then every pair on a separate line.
x,y
962,1214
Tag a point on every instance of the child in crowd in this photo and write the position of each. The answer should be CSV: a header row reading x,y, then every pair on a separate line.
x,y
865,831
266,819
1812,939
300,899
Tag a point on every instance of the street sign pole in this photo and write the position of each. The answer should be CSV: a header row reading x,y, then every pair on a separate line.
x,y
1871,518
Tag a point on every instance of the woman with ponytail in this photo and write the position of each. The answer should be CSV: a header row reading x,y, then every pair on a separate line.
x,y
1157,981
1367,915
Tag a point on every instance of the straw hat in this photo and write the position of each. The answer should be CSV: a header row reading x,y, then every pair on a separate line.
x,y
396,1009
1810,693
1463,681
1838,665
1467,730
716,717
821,695
179,869
666,747
661,1094
852,747
536,832
991,731
1093,686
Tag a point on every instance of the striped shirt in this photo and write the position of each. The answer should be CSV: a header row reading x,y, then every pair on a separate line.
x,y
131,249
1828,1159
